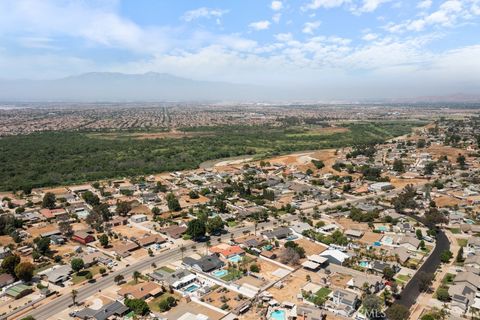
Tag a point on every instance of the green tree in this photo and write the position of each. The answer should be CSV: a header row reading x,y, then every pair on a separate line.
x,y
425,281
138,306
215,225
460,255
388,273
24,271
123,207
196,229
254,268
49,200
74,295
77,264
43,245
445,256
397,312
103,240
398,165
136,275
373,305
172,203
461,161
419,234
443,295
91,198
9,264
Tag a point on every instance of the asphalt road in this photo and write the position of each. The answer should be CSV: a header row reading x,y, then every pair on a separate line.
x,y
411,291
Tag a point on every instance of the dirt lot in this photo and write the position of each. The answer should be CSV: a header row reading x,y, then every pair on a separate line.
x,y
340,280
266,269
347,223
452,153
129,231
222,295
311,247
40,228
400,183
447,201
370,237
293,284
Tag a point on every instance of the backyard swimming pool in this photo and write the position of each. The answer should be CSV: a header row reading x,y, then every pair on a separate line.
x,y
382,228
387,240
363,264
192,288
235,259
220,273
278,315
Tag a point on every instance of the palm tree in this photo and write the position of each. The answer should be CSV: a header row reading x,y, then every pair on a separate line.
x,y
74,296
136,275
207,245
182,250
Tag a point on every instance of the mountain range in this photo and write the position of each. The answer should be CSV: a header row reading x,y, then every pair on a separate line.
x,y
151,86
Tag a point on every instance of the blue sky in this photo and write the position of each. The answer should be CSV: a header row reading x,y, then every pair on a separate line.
x,y
396,47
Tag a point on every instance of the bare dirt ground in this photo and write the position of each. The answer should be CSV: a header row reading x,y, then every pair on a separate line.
x,y
293,283
311,247
447,201
452,153
400,183
222,295
129,231
347,223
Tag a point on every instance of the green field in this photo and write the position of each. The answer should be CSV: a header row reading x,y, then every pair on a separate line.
x,y
57,158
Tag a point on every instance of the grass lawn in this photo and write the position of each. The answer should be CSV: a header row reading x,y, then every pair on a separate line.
x,y
232,224
233,274
462,242
42,268
456,230
324,292
154,303
403,278
167,269
80,276
448,279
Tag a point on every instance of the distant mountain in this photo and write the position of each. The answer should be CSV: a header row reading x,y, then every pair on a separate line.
x,y
108,86
452,98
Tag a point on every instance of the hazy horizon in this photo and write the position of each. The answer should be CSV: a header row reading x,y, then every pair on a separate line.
x,y
310,49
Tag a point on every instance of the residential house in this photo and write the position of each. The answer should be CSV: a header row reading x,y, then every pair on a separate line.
x,y
59,274
177,279
174,232
138,218
278,233
335,256
151,239
83,237
342,302
227,251
113,309
205,263
142,290
409,242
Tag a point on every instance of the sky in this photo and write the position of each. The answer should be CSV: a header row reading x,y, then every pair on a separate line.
x,y
360,48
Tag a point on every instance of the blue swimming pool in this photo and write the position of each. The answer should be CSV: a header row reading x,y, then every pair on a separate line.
x,y
220,273
235,258
278,315
387,240
191,288
382,228
363,264
377,244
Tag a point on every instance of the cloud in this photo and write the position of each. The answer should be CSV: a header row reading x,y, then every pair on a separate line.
x,y
424,4
327,4
276,17
276,5
203,13
260,25
370,37
310,27
449,14
369,6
